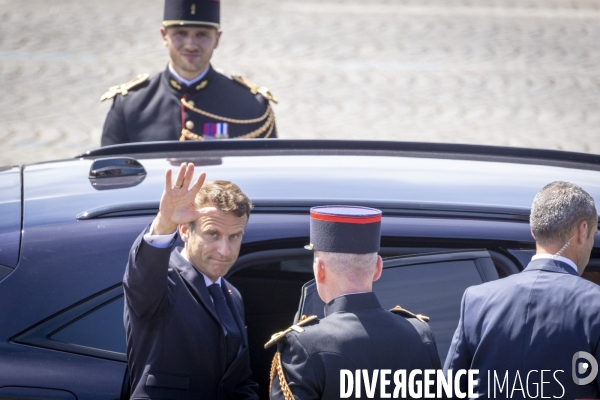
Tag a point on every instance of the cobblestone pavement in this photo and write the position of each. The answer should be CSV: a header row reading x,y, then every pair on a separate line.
x,y
513,72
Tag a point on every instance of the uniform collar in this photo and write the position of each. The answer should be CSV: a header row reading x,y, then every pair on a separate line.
x,y
173,81
184,81
352,302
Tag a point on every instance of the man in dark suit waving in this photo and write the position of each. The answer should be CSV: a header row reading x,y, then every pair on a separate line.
x,y
186,336
525,333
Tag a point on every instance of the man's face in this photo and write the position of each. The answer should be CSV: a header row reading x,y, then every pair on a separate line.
x,y
214,244
190,48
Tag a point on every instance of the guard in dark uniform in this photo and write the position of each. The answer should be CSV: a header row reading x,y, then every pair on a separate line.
x,y
190,100
356,333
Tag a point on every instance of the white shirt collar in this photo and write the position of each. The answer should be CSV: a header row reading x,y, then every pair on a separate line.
x,y
207,280
559,258
185,81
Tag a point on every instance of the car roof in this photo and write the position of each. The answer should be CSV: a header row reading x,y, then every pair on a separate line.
x,y
293,172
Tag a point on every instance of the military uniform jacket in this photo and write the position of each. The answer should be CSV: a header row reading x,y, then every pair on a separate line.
x,y
152,110
175,343
356,333
535,320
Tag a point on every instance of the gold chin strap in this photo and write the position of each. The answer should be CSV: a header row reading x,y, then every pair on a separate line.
x,y
277,368
268,117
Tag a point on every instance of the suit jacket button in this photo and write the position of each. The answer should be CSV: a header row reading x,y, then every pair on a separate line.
x,y
189,124
191,103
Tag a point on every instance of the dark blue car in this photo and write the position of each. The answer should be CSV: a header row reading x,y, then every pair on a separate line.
x,y
453,216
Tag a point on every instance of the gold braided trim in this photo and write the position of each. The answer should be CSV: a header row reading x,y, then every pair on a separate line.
x,y
124,88
181,22
270,130
225,119
268,127
407,314
276,367
269,124
189,135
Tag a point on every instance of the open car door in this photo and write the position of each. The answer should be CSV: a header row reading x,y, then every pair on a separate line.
x,y
429,284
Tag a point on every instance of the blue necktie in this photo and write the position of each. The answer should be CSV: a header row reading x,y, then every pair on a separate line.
x,y
233,338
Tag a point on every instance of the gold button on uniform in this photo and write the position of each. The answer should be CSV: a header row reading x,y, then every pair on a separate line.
x,y
191,103
189,125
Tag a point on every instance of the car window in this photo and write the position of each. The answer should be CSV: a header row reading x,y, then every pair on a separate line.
x,y
432,285
434,290
93,327
522,255
101,328
270,283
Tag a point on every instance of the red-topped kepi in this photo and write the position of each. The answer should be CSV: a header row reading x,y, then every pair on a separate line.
x,y
345,229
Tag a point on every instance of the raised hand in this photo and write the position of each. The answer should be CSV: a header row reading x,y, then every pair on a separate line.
x,y
177,201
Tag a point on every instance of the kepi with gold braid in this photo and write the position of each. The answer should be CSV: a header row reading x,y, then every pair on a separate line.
x,y
192,13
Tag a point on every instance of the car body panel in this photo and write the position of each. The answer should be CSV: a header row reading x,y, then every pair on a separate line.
x,y
342,178
55,256
68,254
67,371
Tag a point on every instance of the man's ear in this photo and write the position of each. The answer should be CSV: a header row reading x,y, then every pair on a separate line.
x,y
319,270
582,232
185,231
378,269
533,235
218,38
163,32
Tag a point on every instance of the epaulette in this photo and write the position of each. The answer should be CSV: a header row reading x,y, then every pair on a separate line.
x,y
296,327
407,314
254,88
124,88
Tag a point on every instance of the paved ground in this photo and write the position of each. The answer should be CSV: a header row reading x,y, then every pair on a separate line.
x,y
512,72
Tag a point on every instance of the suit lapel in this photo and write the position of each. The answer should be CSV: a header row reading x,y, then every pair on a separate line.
x,y
195,282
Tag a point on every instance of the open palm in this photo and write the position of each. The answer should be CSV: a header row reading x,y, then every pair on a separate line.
x,y
177,201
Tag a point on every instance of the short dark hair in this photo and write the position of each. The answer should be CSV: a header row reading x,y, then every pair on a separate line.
x,y
224,195
557,209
